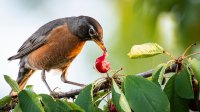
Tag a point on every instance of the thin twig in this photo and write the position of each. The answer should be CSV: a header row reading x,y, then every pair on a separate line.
x,y
103,86
188,49
168,54
192,54
149,73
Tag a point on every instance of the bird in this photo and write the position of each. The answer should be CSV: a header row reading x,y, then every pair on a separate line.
x,y
54,46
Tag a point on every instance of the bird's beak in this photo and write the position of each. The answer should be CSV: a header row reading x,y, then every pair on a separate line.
x,y
100,43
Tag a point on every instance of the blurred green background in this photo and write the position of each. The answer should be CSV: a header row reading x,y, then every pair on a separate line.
x,y
173,24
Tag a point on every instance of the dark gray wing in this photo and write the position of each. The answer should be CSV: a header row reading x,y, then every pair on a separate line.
x,y
37,39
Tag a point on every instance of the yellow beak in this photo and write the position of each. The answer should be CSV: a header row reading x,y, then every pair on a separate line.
x,y
100,43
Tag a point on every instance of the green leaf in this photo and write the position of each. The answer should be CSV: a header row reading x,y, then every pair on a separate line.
x,y
59,105
13,84
49,103
99,97
17,108
85,99
143,95
75,107
29,87
157,75
195,65
177,104
29,101
183,84
62,106
119,99
5,100
98,110
145,50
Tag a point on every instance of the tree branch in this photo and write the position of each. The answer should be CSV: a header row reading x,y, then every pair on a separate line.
x,y
168,70
146,74
104,86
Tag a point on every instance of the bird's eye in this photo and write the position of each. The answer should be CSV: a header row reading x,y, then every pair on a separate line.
x,y
92,32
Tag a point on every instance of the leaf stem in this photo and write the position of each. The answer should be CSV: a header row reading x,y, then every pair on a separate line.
x,y
117,72
167,53
188,49
191,54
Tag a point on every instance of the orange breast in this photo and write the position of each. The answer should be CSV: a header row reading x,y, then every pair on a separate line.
x,y
60,50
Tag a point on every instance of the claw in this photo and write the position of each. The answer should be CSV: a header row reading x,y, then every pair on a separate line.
x,y
55,94
55,89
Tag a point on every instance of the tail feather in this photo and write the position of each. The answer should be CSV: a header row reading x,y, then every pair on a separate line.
x,y
23,76
14,57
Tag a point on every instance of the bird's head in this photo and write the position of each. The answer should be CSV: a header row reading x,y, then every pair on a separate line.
x,y
87,28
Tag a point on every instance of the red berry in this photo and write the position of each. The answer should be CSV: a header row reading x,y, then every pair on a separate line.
x,y
112,108
102,65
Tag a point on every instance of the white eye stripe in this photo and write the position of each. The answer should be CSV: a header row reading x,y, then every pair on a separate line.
x,y
92,32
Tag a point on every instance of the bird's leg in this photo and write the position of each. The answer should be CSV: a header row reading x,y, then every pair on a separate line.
x,y
64,79
54,94
45,82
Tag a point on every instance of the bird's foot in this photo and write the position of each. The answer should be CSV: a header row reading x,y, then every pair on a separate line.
x,y
75,83
55,94
63,78
72,83
54,90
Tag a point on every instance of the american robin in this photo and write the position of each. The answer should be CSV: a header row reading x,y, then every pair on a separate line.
x,y
55,45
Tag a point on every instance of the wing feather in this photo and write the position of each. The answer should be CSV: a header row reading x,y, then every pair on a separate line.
x,y
38,39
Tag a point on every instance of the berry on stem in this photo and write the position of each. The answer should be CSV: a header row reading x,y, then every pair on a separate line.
x,y
101,64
